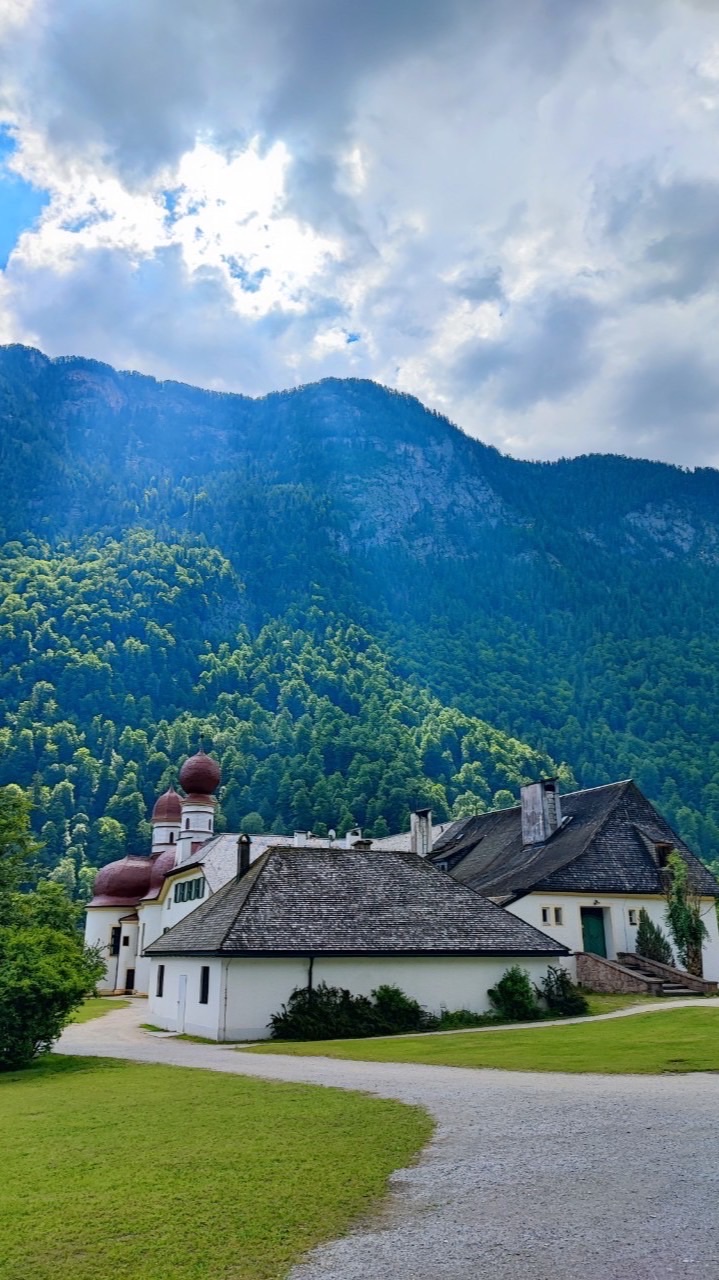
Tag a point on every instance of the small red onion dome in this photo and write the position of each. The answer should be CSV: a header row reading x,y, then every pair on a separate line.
x,y
200,774
122,883
168,808
160,864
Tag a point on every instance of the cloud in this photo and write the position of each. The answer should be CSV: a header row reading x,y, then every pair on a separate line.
x,y
507,210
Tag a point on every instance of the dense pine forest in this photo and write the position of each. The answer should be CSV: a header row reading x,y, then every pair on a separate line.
x,y
361,608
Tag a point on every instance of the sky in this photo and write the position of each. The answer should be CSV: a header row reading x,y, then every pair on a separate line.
x,y
509,210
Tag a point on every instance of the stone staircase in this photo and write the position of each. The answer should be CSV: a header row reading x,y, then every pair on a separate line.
x,y
674,982
631,973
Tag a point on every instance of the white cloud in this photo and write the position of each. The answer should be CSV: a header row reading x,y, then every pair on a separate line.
x,y
509,213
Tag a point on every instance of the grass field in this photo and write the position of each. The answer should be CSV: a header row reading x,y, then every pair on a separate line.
x,y
96,1006
648,1043
162,1173
600,1003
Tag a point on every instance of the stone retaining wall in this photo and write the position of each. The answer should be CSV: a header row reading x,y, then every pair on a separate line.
x,y
597,974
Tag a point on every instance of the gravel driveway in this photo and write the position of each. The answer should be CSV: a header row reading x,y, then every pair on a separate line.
x,y
529,1177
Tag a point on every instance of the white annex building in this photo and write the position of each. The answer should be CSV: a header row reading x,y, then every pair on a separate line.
x,y
580,867
217,930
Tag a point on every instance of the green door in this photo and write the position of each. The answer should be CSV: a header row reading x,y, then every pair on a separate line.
x,y
593,931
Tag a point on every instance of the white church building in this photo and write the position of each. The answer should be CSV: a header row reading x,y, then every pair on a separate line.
x,y
218,930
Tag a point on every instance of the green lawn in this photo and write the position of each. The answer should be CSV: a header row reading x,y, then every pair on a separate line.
x,y
649,1043
96,1006
163,1173
600,1003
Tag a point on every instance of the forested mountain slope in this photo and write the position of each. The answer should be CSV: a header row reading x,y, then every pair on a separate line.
x,y
572,605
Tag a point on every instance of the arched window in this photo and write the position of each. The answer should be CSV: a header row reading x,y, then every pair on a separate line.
x,y
172,837
187,824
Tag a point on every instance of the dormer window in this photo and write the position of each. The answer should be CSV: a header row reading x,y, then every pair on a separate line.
x,y
662,850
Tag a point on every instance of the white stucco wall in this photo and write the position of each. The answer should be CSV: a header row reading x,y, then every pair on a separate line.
x,y
166,1011
173,912
620,935
99,923
245,993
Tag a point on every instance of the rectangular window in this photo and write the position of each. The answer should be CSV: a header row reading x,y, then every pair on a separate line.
x,y
126,940
160,987
115,941
204,983
545,915
632,917
558,915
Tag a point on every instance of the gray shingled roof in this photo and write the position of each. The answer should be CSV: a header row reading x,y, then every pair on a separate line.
x,y
402,842
605,845
349,901
218,855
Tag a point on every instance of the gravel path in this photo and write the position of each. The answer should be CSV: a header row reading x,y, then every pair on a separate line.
x,y
530,1176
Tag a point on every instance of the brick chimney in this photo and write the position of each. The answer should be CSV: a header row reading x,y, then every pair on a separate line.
x,y
420,832
541,811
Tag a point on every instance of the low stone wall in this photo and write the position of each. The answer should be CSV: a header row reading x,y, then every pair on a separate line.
x,y
597,974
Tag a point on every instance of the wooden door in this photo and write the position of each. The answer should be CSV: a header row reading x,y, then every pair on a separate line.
x,y
593,935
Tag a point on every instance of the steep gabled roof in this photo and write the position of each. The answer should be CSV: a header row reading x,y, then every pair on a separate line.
x,y
605,845
311,901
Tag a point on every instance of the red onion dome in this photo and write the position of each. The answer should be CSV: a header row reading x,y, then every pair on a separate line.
x,y
160,864
200,774
168,808
122,883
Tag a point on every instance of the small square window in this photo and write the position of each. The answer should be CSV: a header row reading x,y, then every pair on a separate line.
x,y
633,918
545,915
558,915
125,940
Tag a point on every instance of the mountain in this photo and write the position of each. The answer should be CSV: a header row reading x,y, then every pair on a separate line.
x,y
166,547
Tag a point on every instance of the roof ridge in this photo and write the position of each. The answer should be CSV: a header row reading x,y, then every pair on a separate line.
x,y
257,869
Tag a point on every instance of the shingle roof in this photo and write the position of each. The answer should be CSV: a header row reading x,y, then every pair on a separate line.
x,y
349,901
403,840
605,845
218,856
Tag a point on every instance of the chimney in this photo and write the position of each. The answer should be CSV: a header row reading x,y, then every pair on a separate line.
x,y
541,811
243,855
300,839
353,835
420,832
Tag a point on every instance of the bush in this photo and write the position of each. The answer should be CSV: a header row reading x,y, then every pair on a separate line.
x,y
561,995
333,1013
514,997
652,942
458,1019
45,970
44,976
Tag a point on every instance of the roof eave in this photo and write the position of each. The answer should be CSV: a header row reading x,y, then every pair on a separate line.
x,y
227,952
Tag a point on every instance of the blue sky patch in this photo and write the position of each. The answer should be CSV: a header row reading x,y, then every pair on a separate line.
x,y
20,202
